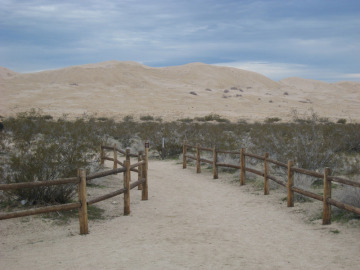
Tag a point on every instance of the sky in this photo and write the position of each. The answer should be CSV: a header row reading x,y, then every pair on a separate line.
x,y
313,39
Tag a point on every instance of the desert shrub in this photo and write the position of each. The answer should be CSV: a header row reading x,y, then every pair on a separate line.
x,y
222,120
186,120
212,117
307,145
147,118
48,117
349,195
200,119
102,118
128,118
242,121
350,135
351,164
172,149
308,183
40,150
308,142
341,121
270,120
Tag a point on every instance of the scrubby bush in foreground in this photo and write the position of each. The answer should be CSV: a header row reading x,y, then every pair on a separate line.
x,y
42,150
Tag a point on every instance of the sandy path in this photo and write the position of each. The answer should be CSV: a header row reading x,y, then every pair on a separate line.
x,y
189,222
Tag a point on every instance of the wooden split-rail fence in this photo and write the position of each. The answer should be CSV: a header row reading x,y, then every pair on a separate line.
x,y
289,184
141,167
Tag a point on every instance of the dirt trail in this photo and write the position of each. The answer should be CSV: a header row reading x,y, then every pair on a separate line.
x,y
189,222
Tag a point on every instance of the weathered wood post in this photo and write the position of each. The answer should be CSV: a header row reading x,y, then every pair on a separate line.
x,y
127,154
215,158
140,169
83,217
127,176
198,167
163,148
242,165
266,172
290,184
102,155
184,155
144,195
115,158
327,194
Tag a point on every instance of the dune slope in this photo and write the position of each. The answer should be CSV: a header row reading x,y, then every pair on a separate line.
x,y
116,89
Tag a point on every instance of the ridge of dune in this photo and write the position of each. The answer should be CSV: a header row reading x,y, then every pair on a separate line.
x,y
306,84
6,73
219,76
116,72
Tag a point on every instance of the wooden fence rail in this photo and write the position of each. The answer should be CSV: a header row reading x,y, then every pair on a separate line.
x,y
288,184
81,180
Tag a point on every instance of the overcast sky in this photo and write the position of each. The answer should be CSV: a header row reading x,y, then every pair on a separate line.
x,y
314,39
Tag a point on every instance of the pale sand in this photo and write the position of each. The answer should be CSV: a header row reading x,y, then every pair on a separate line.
x,y
116,89
189,222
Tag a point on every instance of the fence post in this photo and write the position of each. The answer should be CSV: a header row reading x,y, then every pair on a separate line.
x,y
127,176
127,154
83,217
327,194
144,195
242,165
184,155
290,184
102,155
140,169
198,168
215,168
163,148
115,157
266,172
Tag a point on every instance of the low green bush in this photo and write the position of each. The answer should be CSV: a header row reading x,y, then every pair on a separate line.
x,y
147,118
341,121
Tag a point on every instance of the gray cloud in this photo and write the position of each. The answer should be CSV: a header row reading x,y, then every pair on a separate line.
x,y
321,35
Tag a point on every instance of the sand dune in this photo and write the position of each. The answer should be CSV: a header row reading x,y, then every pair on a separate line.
x,y
117,89
6,73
